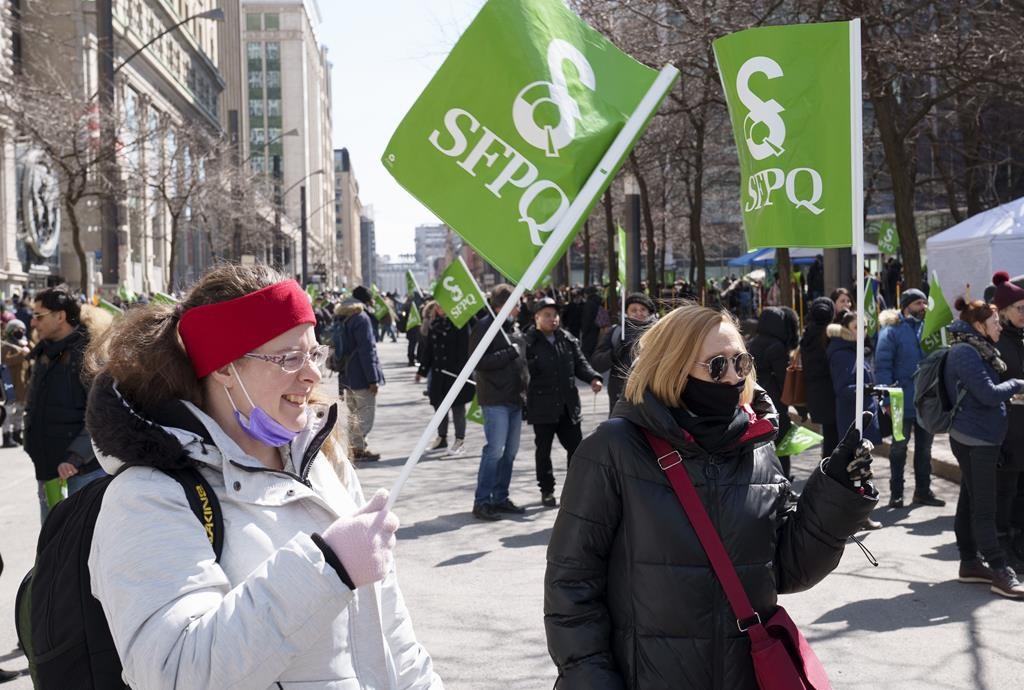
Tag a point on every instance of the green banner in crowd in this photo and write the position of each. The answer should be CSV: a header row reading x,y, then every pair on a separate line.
x,y
517,118
797,440
313,290
475,413
162,298
622,256
888,238
126,294
411,286
380,307
109,307
414,320
896,405
938,317
870,308
458,294
788,92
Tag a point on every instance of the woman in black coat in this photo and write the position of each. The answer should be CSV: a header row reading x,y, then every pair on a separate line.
x,y
630,600
821,399
778,332
614,352
1009,300
443,354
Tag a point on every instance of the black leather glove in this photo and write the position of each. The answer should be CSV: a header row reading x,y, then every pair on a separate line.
x,y
850,462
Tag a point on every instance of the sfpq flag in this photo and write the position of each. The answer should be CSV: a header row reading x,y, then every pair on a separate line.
x,y
511,127
888,238
870,307
380,307
938,317
458,294
788,90
414,320
411,286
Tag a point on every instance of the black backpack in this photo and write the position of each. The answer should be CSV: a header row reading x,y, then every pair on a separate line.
x,y
60,624
935,411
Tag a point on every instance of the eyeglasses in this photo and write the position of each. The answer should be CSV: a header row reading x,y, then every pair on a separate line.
x,y
742,364
40,314
292,362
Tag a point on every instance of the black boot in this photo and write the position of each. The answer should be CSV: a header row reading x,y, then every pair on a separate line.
x,y
8,441
16,437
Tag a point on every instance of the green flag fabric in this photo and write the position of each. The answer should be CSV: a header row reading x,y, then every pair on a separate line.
x,y
474,413
622,256
888,238
411,286
414,320
517,118
108,307
870,308
938,317
126,293
380,307
797,440
895,409
788,93
162,298
458,294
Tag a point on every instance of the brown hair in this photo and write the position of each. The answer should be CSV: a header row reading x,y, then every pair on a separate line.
x,y
143,353
975,311
500,294
668,350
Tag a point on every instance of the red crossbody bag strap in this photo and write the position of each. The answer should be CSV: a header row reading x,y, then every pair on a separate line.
x,y
671,463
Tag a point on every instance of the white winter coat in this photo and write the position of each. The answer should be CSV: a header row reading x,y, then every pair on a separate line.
x,y
272,613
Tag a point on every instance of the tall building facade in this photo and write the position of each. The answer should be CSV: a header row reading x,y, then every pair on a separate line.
x,y
12,277
434,249
368,245
348,211
287,124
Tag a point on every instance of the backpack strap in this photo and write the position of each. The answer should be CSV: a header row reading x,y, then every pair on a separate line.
x,y
204,504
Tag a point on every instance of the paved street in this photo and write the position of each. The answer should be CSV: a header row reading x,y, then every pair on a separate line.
x,y
475,589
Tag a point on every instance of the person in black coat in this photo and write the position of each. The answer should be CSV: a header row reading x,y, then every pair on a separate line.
x,y
630,599
443,353
821,400
614,352
1009,300
552,401
777,335
589,330
573,314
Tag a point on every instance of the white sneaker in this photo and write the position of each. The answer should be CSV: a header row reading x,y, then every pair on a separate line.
x,y
458,448
439,443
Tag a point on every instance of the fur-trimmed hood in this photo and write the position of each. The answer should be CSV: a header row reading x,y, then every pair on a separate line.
x,y
834,330
888,317
348,307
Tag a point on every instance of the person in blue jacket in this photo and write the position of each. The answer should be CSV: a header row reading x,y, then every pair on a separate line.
x,y
361,373
842,362
897,355
979,426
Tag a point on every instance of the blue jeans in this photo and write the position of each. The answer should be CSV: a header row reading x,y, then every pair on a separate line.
x,y
77,482
922,459
502,425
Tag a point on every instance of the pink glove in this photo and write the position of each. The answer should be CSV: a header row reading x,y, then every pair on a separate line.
x,y
365,542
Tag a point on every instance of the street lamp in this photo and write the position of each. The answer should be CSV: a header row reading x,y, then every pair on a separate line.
x,y
105,91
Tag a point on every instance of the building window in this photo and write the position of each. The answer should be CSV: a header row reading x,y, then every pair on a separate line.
x,y
274,107
257,136
259,164
255,81
271,21
252,21
273,55
256,107
255,54
273,79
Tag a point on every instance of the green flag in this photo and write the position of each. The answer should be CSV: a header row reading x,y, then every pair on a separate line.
x,y
313,291
474,413
513,124
414,320
458,294
870,308
788,93
797,440
888,238
411,286
380,307
938,317
107,306
162,298
126,293
622,256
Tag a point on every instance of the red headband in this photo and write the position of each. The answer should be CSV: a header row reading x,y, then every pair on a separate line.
x,y
218,334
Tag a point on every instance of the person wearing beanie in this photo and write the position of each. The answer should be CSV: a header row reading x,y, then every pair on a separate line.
x,y
821,401
897,355
971,375
359,370
614,352
1008,298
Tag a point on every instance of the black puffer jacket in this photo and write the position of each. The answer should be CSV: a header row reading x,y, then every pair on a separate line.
x,y
501,372
776,336
1011,351
553,373
445,349
821,400
614,353
630,600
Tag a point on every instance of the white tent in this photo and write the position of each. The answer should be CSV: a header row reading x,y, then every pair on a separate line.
x,y
971,251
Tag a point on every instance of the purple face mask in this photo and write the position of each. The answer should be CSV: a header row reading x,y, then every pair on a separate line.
x,y
260,425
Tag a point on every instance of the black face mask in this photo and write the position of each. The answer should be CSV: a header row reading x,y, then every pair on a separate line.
x,y
709,399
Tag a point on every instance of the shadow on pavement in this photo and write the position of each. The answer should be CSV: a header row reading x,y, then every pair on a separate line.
x,y
462,559
923,606
520,541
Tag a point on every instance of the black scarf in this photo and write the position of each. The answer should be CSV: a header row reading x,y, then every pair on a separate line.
x,y
712,434
984,347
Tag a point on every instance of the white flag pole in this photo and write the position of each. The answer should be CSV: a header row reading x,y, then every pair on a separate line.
x,y
609,162
857,189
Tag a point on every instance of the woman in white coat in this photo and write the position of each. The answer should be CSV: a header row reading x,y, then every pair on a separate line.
x,y
304,593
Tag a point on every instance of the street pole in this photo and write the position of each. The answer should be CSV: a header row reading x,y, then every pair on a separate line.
x,y
632,234
276,172
305,235
107,144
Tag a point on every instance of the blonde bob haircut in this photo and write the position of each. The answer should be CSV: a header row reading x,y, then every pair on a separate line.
x,y
667,352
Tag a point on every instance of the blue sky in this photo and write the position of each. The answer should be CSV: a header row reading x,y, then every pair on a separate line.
x,y
383,54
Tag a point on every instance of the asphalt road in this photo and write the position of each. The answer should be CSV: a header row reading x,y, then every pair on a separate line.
x,y
475,589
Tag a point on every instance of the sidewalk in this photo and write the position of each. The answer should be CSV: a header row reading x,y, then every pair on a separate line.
x,y
475,589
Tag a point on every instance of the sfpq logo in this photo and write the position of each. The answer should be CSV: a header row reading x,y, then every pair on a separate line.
x,y
765,132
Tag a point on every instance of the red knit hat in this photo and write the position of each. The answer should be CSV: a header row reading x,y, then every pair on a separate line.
x,y
1006,292
218,334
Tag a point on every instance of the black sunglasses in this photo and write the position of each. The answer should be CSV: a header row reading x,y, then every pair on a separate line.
x,y
742,364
